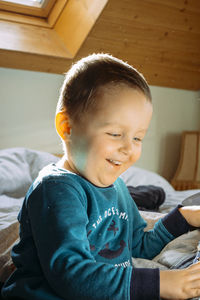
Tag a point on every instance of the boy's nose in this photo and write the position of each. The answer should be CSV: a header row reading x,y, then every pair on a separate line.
x,y
127,147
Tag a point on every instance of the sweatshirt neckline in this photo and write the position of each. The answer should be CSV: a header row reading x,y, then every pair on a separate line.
x,y
70,172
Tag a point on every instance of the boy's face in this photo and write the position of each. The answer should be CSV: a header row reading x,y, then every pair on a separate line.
x,y
110,140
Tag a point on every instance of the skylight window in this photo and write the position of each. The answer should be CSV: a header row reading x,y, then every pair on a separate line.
x,y
39,8
37,3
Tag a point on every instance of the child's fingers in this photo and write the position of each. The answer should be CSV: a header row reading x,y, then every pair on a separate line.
x,y
194,277
195,284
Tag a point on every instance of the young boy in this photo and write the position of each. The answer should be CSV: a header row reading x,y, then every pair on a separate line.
x,y
79,227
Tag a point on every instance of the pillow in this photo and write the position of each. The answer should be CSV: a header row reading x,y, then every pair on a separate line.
x,y
19,167
135,176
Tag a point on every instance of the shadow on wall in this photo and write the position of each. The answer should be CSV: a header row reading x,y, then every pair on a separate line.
x,y
169,155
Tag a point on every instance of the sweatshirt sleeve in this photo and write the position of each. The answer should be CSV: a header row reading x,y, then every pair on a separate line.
x,y
58,219
148,277
148,244
176,225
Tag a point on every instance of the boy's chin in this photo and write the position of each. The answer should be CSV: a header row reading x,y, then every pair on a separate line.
x,y
103,183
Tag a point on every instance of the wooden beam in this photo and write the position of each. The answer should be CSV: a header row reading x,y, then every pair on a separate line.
x,y
31,39
34,62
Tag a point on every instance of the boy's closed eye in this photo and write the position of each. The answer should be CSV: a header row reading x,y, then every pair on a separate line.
x,y
117,135
113,134
136,139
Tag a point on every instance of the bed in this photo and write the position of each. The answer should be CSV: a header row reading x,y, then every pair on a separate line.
x,y
19,167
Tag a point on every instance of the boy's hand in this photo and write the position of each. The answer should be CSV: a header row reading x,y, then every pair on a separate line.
x,y
180,284
191,214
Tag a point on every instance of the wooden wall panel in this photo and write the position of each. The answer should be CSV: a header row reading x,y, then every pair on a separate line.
x,y
160,38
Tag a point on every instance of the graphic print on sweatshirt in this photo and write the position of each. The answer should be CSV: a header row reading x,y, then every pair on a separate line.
x,y
108,236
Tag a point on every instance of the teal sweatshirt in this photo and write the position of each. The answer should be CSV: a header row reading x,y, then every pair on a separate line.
x,y
77,241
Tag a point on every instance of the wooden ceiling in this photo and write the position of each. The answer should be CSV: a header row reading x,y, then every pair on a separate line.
x,y
161,38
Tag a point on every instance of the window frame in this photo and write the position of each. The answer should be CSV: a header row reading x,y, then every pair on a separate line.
x,y
33,9
43,21
47,44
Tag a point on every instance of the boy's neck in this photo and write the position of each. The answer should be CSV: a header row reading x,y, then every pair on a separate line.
x,y
64,164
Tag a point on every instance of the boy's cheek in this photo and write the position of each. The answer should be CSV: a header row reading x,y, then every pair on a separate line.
x,y
107,148
136,156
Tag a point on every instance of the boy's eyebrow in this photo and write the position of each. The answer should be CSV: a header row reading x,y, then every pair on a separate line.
x,y
104,124
108,123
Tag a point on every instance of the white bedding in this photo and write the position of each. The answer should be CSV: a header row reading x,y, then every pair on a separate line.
x,y
19,167
136,176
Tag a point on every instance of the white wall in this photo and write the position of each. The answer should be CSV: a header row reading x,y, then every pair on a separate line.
x,y
174,111
27,107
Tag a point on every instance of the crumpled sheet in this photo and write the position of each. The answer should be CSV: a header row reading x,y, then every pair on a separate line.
x,y
176,253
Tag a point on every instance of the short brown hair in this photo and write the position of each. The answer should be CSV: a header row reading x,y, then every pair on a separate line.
x,y
86,77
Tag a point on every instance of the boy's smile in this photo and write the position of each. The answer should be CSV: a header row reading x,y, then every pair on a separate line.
x,y
110,140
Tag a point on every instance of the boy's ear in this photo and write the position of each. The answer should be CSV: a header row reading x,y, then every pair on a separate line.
x,y
63,125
